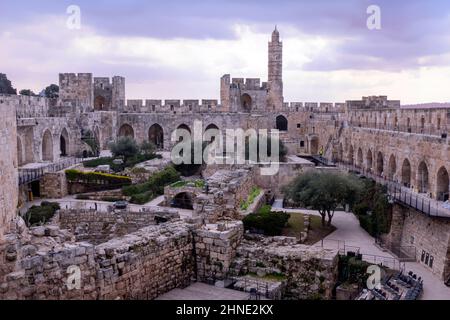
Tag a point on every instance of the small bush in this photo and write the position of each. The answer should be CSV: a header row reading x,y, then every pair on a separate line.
x,y
41,214
142,198
270,224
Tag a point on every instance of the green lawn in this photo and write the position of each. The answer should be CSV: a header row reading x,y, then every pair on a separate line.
x,y
316,231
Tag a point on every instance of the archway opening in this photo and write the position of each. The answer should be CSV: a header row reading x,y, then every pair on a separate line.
x,y
99,103
369,160
47,146
126,131
442,184
212,131
380,164
422,178
246,102
359,157
182,200
314,146
281,123
392,167
406,173
63,143
156,136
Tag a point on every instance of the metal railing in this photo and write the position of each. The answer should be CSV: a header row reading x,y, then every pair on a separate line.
x,y
404,195
30,175
427,129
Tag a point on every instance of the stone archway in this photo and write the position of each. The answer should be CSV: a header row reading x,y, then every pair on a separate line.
x,y
392,167
406,173
99,103
422,178
126,131
246,102
183,200
184,126
442,184
64,143
359,158
156,136
369,160
281,123
211,132
380,164
314,146
47,146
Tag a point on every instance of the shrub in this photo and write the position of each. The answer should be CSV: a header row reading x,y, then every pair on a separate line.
x,y
96,177
124,147
141,193
98,162
269,223
373,199
41,214
142,198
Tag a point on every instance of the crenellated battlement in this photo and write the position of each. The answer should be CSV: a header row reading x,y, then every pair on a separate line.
x,y
28,106
171,106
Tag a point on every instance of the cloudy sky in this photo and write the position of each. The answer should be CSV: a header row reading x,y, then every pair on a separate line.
x,y
180,49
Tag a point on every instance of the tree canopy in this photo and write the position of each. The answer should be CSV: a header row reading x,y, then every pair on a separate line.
x,y
26,92
323,191
5,85
125,147
52,91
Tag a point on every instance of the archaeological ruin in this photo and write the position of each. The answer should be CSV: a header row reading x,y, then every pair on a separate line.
x,y
195,232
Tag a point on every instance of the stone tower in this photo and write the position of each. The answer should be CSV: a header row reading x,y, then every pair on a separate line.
x,y
275,81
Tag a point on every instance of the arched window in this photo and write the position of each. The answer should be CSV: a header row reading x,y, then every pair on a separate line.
x,y
281,123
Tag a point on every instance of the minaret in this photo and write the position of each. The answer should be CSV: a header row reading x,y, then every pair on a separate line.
x,y
275,81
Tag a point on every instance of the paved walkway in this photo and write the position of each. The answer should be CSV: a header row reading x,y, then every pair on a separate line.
x,y
202,291
349,231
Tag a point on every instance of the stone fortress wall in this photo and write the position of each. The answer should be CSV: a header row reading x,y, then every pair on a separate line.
x,y
8,166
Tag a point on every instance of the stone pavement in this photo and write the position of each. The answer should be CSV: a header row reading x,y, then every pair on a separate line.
x,y
349,232
202,291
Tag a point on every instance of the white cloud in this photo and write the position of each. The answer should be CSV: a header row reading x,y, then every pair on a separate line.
x,y
32,55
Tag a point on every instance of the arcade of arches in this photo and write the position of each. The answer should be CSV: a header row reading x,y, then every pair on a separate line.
x,y
418,175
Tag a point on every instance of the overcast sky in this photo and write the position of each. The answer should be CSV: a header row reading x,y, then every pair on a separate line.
x,y
180,49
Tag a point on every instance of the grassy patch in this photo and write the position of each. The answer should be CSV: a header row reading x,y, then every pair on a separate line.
x,y
316,231
251,197
199,183
145,192
269,277
295,225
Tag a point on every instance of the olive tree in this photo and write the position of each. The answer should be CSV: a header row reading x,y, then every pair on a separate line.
x,y
323,191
